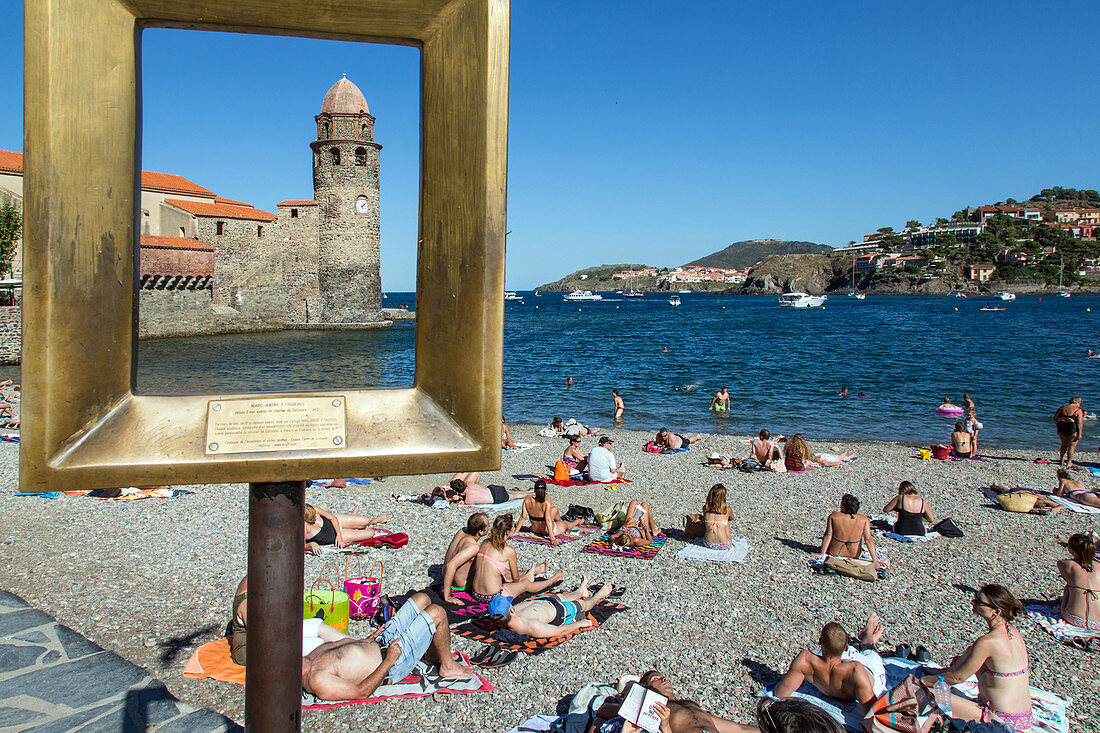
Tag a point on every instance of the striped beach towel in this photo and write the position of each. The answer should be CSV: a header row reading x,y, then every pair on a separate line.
x,y
603,546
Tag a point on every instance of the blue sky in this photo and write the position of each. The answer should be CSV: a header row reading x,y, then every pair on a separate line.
x,y
638,134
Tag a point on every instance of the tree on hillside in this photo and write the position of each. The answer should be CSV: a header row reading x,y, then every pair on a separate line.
x,y
885,230
960,216
912,225
940,222
1011,201
11,230
946,239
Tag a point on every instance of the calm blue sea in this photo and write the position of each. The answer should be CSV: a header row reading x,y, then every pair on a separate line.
x,y
783,367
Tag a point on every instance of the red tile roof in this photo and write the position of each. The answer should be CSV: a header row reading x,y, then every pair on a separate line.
x,y
11,162
201,208
231,202
293,202
171,183
174,243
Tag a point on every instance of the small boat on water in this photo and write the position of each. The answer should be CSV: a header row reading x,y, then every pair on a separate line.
x,y
582,295
683,291
993,309
510,295
674,300
801,300
1005,295
538,294
958,294
633,294
1062,292
857,296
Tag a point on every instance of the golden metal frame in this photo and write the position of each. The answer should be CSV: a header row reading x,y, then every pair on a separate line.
x,y
83,426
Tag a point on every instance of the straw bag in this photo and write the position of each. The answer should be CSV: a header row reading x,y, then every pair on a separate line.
x,y
363,592
331,606
908,708
852,568
1017,501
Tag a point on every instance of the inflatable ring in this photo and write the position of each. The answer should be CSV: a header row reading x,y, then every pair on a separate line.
x,y
951,411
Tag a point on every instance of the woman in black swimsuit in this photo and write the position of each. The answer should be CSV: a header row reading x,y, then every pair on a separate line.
x,y
912,511
1069,419
848,523
545,517
341,530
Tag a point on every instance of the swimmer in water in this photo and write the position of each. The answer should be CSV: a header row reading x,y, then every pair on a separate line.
x,y
664,350
861,394
569,381
843,392
721,401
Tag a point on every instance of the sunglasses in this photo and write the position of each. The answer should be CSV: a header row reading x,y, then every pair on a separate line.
x,y
978,602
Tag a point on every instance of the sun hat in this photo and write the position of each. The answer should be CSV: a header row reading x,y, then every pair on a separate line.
x,y
570,421
713,457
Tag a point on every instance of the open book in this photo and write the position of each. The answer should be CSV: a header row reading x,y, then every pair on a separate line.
x,y
638,705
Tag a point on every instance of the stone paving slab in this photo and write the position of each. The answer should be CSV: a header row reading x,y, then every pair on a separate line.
x,y
53,679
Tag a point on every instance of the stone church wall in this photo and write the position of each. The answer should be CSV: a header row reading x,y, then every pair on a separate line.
x,y
297,238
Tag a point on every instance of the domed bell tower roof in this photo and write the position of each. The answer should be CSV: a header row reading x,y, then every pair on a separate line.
x,y
344,98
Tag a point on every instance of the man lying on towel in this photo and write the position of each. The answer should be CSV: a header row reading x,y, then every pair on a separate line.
x,y
848,674
340,667
549,615
678,715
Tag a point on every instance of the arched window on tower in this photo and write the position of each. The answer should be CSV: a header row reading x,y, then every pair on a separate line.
x,y
325,129
335,153
363,131
360,156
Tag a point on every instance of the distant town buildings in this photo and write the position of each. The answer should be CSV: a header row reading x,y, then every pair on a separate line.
x,y
685,275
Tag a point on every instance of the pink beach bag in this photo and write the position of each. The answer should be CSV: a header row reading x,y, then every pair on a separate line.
x,y
363,592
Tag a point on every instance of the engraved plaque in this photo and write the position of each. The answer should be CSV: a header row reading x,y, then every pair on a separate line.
x,y
284,423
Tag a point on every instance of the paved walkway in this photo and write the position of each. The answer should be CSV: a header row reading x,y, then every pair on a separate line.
x,y
53,679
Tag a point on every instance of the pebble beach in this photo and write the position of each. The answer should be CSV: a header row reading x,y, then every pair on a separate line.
x,y
152,580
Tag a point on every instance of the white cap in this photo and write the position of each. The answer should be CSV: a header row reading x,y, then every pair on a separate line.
x,y
571,421
713,456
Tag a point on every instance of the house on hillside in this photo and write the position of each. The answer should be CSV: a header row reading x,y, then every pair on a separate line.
x,y
980,272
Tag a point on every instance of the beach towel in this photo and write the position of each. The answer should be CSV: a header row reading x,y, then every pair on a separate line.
x,y
526,534
213,660
1094,470
505,639
582,481
536,724
1072,505
864,557
966,458
520,447
849,714
682,449
327,483
130,493
502,507
424,680
1049,618
929,534
602,545
456,614
9,438
1048,710
737,552
39,494
382,538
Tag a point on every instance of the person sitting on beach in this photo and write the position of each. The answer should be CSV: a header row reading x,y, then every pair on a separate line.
x,y
601,463
721,401
547,615
713,525
841,671
764,449
796,454
506,442
1040,500
639,529
961,445
238,624
998,658
323,528
1069,488
545,517
345,668
848,523
495,569
912,511
1069,420
458,560
679,715
472,492
1080,604
674,441
573,458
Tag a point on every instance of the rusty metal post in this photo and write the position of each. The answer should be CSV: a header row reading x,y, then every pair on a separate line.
x,y
276,544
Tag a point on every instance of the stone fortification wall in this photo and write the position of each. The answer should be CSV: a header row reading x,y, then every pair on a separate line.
x,y
11,333
297,237
241,245
158,260
165,313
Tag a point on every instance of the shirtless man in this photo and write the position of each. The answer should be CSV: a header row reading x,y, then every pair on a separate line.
x,y
620,408
472,492
352,669
674,441
459,559
680,715
721,401
548,615
842,672
764,449
961,442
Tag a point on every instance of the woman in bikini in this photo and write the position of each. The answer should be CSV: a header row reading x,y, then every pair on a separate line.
x,y
999,659
1081,598
713,525
495,569
912,511
341,530
572,457
1069,419
639,529
545,517
1073,490
848,523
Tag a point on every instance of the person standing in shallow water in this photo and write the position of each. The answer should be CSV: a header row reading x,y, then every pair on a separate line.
x,y
1069,421
620,408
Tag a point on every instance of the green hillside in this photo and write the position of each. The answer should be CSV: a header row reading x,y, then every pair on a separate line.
x,y
741,255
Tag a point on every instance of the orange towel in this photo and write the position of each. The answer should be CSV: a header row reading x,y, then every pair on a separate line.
x,y
212,660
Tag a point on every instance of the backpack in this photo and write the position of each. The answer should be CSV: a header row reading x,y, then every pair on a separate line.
x,y
947,528
652,447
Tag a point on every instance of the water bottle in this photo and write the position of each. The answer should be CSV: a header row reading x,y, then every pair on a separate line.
x,y
942,694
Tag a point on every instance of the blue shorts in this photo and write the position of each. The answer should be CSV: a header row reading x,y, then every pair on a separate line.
x,y
413,629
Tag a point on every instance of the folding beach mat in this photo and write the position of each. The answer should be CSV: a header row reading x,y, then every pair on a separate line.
x,y
1049,617
602,546
505,639
526,534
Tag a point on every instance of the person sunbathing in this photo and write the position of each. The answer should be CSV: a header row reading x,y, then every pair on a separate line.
x,y
794,715
323,528
841,671
713,525
548,615
848,523
573,457
495,570
458,560
466,485
797,451
912,511
1080,604
679,715
345,668
572,427
639,529
1000,661
1040,500
674,441
1069,488
545,517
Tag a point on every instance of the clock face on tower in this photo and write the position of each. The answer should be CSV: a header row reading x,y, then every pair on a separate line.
x,y
362,206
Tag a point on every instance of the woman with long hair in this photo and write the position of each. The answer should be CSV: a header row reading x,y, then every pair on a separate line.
x,y
545,517
713,525
495,570
912,511
999,659
573,457
341,530
1081,597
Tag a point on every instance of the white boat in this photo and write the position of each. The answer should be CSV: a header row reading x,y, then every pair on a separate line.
x,y
683,291
1062,292
857,296
510,295
801,300
538,294
1005,295
582,295
852,292
633,294
674,300
958,294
